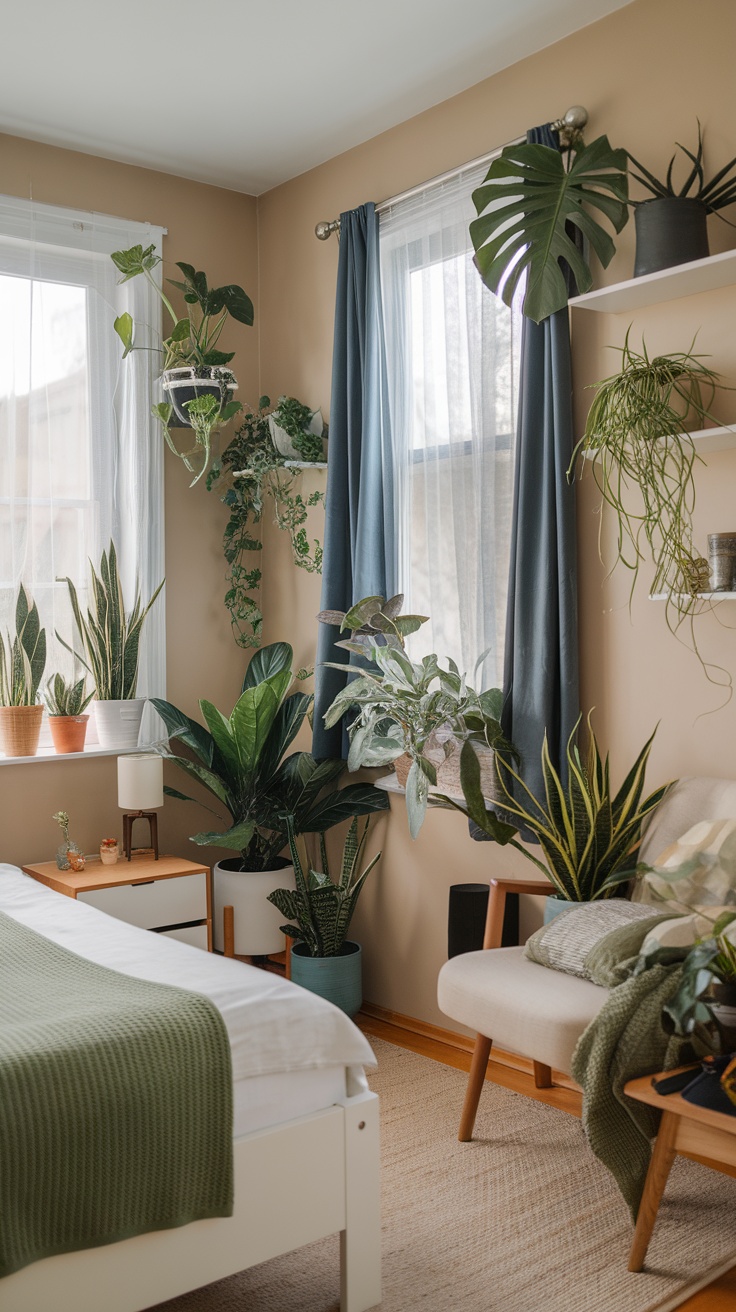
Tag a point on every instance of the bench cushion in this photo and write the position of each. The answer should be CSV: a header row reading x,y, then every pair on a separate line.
x,y
523,1007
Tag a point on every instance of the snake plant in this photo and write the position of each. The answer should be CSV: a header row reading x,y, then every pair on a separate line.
x,y
64,698
22,658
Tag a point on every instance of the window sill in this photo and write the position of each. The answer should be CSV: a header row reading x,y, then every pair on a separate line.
x,y
50,754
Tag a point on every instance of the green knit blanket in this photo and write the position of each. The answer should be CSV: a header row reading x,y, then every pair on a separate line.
x,y
115,1103
626,1040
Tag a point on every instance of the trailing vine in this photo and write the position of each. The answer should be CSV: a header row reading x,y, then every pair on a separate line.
x,y
251,469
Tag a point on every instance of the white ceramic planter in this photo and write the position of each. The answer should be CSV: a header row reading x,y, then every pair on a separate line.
x,y
283,442
119,722
256,921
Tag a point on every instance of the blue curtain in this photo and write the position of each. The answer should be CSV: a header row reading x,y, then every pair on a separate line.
x,y
359,552
541,650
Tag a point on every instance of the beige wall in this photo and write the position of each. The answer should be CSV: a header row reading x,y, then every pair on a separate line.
x,y
215,230
645,75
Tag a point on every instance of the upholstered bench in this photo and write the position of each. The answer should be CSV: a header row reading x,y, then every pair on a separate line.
x,y
526,1008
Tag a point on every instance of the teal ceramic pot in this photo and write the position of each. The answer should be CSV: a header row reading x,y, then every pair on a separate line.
x,y
338,979
553,905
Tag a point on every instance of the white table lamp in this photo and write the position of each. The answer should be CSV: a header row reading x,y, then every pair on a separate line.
x,y
140,792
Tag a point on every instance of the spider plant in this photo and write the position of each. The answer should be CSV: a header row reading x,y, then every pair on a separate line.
x,y
643,464
110,637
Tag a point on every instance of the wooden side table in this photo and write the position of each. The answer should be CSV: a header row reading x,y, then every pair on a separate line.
x,y
170,896
691,1131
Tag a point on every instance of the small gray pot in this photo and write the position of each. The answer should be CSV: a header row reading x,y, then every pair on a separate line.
x,y
338,979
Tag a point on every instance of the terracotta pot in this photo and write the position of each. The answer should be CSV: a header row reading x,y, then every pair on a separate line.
x,y
68,732
20,729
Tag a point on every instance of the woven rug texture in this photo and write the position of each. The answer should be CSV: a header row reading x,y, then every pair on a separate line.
x,y
522,1219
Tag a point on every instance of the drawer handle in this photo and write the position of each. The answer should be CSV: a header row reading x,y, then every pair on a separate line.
x,y
141,883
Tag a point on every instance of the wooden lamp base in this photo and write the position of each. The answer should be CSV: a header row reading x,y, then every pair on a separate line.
x,y
128,819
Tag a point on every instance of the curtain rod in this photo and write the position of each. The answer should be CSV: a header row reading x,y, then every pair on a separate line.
x,y
572,122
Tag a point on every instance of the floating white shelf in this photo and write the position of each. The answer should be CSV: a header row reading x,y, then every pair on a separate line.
x,y
305,464
700,596
706,440
665,285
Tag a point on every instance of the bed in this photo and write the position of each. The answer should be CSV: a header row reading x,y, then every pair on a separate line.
x,y
305,1128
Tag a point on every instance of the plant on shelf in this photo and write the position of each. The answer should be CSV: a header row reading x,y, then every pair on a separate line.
x,y
66,704
402,707
643,463
22,663
585,832
671,224
194,370
110,638
298,433
529,197
320,910
240,761
250,469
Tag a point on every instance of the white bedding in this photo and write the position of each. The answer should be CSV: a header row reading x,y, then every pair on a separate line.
x,y
277,1031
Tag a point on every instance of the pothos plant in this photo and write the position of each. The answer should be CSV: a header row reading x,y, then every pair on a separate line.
x,y
250,469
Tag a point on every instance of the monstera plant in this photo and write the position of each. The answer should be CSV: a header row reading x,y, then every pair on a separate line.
x,y
530,206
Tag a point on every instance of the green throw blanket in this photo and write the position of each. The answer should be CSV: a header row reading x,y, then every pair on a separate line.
x,y
115,1103
626,1040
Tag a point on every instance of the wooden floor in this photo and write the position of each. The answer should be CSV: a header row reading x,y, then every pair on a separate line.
x,y
514,1073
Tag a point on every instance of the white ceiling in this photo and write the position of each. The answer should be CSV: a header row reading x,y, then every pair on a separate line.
x,y
246,94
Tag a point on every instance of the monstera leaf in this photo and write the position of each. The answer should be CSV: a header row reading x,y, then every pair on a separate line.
x,y
524,205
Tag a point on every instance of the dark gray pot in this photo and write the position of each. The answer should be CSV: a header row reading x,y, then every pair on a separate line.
x,y
669,230
182,385
338,979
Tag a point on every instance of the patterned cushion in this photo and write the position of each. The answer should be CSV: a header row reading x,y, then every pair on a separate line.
x,y
566,941
704,859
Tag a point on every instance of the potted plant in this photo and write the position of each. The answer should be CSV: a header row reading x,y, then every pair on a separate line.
x,y
587,834
323,960
66,703
298,433
195,372
671,227
22,663
525,205
634,432
111,639
420,711
251,470
240,761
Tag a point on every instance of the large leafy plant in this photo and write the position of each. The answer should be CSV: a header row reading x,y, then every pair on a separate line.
x,y
319,908
240,761
22,658
403,706
109,635
526,205
586,832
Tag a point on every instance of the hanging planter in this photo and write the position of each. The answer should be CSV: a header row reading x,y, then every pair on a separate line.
x,y
187,382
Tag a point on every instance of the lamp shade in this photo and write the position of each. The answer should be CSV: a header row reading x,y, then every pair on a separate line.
x,y
140,782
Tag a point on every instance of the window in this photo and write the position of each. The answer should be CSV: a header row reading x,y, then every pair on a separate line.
x,y
80,456
452,358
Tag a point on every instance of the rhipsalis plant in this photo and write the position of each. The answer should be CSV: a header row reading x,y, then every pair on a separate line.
x,y
319,909
22,658
250,469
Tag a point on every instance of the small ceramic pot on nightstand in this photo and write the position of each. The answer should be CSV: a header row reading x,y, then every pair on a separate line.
x,y
109,851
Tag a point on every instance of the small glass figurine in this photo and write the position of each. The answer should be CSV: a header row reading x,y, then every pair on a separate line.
x,y
68,856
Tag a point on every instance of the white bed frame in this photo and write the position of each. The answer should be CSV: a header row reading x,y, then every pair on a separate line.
x,y
294,1183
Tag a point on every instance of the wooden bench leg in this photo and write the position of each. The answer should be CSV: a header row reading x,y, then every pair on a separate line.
x,y
542,1075
478,1067
228,925
659,1168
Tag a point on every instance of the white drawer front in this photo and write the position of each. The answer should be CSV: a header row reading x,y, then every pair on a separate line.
x,y
153,905
194,934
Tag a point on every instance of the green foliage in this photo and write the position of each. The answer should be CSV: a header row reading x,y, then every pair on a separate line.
x,y
22,658
712,960
109,636
714,195
320,909
634,431
296,419
524,206
406,707
240,761
587,836
64,698
250,469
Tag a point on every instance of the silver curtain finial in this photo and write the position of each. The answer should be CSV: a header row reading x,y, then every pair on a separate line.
x,y
325,229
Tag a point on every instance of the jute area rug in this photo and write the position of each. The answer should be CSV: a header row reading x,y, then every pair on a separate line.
x,y
523,1218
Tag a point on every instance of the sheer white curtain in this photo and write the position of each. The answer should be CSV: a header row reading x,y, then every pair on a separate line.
x,y
81,460
452,351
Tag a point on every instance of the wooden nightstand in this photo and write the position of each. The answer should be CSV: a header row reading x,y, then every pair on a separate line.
x,y
170,896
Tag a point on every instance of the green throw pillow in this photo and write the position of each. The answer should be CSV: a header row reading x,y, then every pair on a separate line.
x,y
566,943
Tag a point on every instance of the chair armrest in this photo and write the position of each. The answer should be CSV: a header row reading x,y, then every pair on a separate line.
x,y
497,903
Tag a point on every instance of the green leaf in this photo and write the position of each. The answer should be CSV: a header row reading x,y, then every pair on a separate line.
x,y
186,730
238,305
180,331
354,800
417,793
237,838
123,326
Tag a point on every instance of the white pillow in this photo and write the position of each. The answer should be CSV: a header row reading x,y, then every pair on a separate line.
x,y
704,863
683,931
